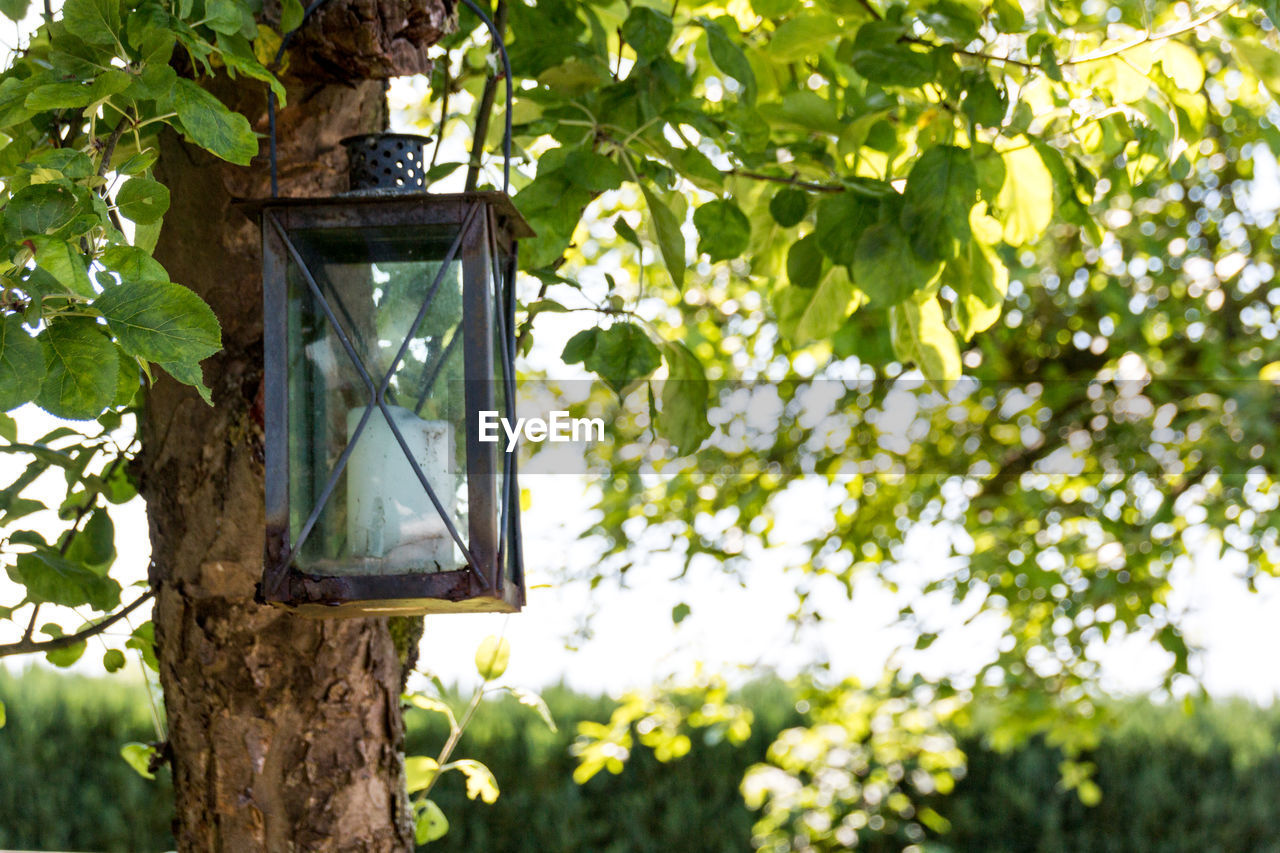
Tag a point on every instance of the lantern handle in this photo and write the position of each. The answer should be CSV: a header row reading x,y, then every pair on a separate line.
x,y
498,43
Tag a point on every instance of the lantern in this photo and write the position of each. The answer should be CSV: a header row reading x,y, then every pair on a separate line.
x,y
389,331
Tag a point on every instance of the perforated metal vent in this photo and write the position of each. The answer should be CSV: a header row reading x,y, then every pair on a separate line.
x,y
386,162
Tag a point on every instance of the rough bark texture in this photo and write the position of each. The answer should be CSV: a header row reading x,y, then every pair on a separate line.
x,y
370,39
285,733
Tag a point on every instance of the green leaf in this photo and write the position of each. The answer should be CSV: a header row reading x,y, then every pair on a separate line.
x,y
941,190
920,334
65,264
81,369
723,230
14,10
430,824
1025,203
593,172
93,21
806,315
680,612
209,124
789,206
224,16
160,322
953,21
667,235
3,717
984,103
805,262
95,545
729,58
980,281
880,57
113,660
38,210
683,418
492,657
1008,17
142,200
291,12
805,36
648,31
52,579
480,780
189,373
67,655
887,269
580,346
419,772
143,640
1261,60
805,111
841,219
138,756
21,364
148,30
622,354
70,162
133,265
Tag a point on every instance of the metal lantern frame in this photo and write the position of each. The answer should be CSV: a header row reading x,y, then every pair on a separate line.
x,y
485,245
487,229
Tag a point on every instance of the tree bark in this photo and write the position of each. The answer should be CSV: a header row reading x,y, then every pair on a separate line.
x,y
285,733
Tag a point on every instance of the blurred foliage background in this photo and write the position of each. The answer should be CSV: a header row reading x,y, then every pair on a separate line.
x,y
1171,782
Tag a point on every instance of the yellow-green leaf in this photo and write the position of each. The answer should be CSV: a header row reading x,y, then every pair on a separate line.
x,y
920,334
419,772
428,703
138,756
480,780
1182,64
492,657
430,823
808,314
1025,203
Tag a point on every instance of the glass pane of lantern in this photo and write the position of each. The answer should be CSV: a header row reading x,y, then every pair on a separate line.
x,y
504,402
378,518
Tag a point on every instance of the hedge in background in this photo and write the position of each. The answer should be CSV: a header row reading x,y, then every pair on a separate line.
x,y
63,784
1171,783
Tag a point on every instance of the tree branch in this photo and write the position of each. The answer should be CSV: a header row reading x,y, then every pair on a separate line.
x,y
27,646
794,181
109,147
1146,38
485,109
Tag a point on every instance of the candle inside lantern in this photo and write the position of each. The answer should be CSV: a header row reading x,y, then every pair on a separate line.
x,y
389,514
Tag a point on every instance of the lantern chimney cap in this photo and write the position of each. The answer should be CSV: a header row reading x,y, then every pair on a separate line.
x,y
386,163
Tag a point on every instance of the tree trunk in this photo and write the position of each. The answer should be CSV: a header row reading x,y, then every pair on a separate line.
x,y
285,733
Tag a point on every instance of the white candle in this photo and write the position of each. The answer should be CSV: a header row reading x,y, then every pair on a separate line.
x,y
389,515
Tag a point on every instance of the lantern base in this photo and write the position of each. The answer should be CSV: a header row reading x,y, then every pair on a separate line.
x,y
403,607
390,595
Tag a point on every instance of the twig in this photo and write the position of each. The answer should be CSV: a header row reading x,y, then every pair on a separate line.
x,y
866,4
1106,53
27,645
444,117
794,181
109,147
485,109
